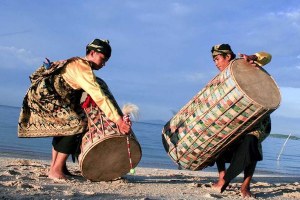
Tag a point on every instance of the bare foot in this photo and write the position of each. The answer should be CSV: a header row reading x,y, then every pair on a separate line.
x,y
218,186
245,192
56,175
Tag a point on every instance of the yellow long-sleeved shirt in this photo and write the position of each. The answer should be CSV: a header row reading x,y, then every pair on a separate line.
x,y
79,75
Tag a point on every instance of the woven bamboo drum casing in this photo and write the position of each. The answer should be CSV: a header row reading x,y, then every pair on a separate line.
x,y
220,114
104,150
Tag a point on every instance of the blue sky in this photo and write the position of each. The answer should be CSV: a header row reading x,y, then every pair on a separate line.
x,y
161,49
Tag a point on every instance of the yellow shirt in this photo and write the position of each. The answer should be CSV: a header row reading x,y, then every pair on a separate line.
x,y
79,75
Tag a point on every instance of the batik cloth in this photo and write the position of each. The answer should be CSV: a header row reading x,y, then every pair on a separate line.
x,y
51,107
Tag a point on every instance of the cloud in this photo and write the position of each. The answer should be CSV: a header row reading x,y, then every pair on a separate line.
x,y
289,18
195,77
12,57
275,31
293,15
154,111
14,33
290,104
180,9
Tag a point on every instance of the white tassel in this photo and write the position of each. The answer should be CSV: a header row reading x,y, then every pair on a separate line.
x,y
131,110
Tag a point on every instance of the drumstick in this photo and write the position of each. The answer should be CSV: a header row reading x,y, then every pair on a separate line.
x,y
132,171
127,110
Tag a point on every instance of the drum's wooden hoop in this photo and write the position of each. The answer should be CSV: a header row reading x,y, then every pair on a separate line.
x,y
249,79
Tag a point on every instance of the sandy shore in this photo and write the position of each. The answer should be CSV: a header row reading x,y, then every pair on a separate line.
x,y
27,179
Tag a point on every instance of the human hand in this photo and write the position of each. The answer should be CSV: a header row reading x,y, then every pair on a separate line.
x,y
127,120
214,82
124,126
249,58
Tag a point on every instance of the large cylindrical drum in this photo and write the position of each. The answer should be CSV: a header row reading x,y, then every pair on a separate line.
x,y
104,150
233,102
106,154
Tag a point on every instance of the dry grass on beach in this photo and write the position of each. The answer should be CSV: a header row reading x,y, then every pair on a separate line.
x,y
27,179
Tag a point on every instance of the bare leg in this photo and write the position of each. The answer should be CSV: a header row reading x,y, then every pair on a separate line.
x,y
65,169
222,170
54,155
242,160
248,174
57,168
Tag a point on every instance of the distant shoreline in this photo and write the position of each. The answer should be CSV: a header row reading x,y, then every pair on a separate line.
x,y
162,122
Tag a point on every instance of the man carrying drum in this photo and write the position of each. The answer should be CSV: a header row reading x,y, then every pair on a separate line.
x,y
51,106
244,155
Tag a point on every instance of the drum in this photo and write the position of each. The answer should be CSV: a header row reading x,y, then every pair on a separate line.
x,y
220,114
104,150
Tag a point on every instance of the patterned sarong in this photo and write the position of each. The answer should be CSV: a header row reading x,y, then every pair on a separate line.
x,y
51,107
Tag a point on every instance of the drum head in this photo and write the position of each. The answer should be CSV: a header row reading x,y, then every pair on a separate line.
x,y
108,159
256,83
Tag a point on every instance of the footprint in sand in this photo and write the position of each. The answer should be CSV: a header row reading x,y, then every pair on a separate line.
x,y
11,173
21,185
26,178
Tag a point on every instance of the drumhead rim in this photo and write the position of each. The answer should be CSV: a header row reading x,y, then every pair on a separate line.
x,y
245,94
84,156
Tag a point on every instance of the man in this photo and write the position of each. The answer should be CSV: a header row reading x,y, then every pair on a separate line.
x,y
244,155
51,106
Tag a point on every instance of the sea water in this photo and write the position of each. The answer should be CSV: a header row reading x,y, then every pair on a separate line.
x,y
278,158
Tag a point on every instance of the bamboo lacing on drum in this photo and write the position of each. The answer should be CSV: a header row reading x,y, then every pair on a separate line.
x,y
186,107
215,135
224,126
101,123
127,120
248,128
198,95
196,132
205,99
228,136
225,140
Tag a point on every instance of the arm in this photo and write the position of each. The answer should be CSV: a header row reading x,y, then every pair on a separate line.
x,y
259,59
79,75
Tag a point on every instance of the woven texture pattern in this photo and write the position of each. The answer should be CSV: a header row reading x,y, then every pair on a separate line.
x,y
215,118
103,147
100,128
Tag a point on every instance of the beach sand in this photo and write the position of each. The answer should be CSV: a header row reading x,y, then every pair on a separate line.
x,y
27,179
